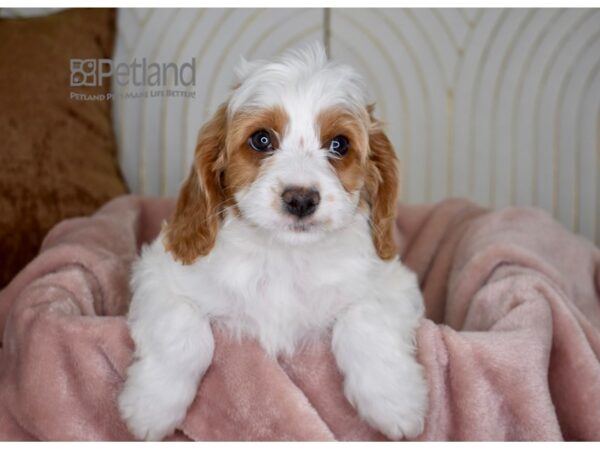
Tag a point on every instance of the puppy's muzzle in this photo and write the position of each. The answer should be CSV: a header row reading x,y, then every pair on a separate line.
x,y
300,202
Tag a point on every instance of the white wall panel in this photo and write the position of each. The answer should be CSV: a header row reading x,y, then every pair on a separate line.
x,y
499,105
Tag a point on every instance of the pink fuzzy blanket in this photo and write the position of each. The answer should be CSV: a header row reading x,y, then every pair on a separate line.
x,y
511,345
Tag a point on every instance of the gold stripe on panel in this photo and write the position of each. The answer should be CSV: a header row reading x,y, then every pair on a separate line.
x,y
556,144
445,27
597,239
538,101
499,80
428,103
578,151
451,100
483,60
515,111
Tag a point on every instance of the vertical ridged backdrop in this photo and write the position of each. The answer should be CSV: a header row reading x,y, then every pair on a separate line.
x,y
499,105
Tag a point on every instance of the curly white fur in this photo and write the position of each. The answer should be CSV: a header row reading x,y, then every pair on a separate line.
x,y
262,281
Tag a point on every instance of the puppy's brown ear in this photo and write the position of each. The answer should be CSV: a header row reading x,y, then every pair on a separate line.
x,y
382,189
193,230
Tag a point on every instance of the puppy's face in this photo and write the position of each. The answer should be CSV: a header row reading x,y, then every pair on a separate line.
x,y
298,173
295,152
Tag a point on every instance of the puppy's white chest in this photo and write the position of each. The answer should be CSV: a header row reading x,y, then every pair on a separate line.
x,y
285,298
281,294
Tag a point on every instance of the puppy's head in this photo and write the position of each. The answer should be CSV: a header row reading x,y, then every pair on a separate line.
x,y
295,151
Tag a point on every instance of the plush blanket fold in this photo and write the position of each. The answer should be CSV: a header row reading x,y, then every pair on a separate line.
x,y
511,345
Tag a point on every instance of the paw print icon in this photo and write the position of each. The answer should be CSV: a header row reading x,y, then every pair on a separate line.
x,y
83,72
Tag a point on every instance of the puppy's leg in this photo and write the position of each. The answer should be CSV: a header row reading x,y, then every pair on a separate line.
x,y
374,346
173,348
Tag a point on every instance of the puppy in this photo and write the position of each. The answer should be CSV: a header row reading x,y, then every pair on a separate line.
x,y
282,232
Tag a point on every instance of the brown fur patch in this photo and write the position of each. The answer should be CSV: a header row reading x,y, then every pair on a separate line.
x,y
223,164
370,165
193,229
351,168
381,189
243,163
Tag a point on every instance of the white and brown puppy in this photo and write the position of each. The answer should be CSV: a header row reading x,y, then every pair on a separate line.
x,y
282,233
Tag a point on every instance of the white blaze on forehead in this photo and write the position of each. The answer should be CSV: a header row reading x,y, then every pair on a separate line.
x,y
302,81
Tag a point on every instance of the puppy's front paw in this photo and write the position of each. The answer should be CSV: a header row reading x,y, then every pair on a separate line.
x,y
396,406
149,408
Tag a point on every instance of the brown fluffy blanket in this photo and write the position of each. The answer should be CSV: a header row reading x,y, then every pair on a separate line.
x,y
511,346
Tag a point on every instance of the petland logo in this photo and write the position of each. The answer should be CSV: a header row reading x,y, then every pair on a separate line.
x,y
151,80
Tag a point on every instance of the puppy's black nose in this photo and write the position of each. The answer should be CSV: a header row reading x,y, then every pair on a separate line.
x,y
300,202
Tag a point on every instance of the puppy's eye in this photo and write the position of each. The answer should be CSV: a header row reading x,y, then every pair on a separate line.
x,y
261,141
339,146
